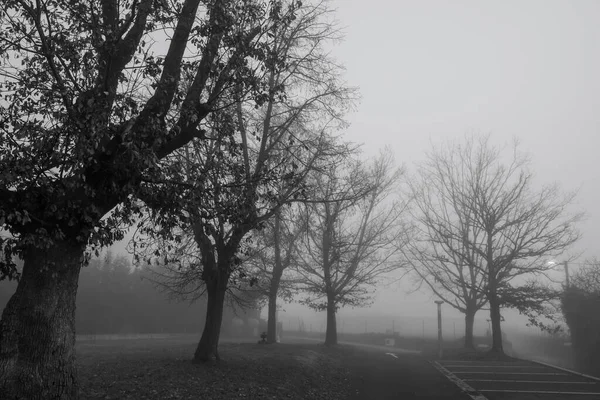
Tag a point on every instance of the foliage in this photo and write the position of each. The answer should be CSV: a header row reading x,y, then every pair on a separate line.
x,y
581,309
534,300
256,158
91,100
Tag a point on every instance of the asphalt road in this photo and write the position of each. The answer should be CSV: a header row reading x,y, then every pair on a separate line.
x,y
382,373
394,375
387,373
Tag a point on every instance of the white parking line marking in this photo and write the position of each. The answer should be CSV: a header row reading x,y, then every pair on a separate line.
x,y
456,372
494,366
392,354
538,392
518,381
567,370
509,373
468,390
485,361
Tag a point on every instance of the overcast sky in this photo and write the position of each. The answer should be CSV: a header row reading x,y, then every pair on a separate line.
x,y
430,70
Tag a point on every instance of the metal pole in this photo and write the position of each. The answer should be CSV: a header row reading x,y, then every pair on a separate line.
x,y
454,330
439,315
566,264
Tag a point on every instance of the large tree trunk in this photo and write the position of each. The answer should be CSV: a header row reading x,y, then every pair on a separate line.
x,y
274,286
207,349
272,314
37,330
331,331
495,318
272,319
469,322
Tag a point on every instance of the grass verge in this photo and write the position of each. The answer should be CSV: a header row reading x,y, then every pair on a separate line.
x,y
156,369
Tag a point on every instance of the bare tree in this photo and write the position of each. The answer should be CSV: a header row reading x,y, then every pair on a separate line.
x,y
587,278
489,224
274,259
351,237
256,158
439,254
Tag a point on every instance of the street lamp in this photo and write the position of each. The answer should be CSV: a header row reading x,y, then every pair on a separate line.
x,y
566,267
439,315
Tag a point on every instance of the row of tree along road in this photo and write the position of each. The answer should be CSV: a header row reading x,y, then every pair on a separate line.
x,y
222,147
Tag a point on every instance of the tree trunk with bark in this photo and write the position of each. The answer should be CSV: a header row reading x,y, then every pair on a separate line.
x,y
469,322
331,331
207,349
272,314
274,285
495,318
37,330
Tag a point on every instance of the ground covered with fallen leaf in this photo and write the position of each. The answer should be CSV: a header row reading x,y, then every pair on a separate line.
x,y
161,369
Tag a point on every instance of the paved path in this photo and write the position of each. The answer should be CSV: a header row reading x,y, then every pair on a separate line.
x,y
521,380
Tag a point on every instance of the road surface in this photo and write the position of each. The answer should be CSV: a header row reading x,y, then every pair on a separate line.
x,y
391,375
388,373
521,380
382,373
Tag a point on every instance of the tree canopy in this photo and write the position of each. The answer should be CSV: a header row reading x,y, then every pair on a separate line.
x,y
94,96
484,223
92,100
354,230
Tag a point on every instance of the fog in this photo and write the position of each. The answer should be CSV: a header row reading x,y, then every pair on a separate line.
x,y
237,131
433,71
514,69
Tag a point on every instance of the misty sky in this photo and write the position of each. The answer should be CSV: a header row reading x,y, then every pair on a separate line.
x,y
429,71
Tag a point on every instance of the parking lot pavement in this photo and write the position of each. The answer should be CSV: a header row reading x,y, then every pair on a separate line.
x,y
518,380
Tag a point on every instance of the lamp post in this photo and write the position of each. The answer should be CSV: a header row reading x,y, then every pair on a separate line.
x,y
439,315
566,267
